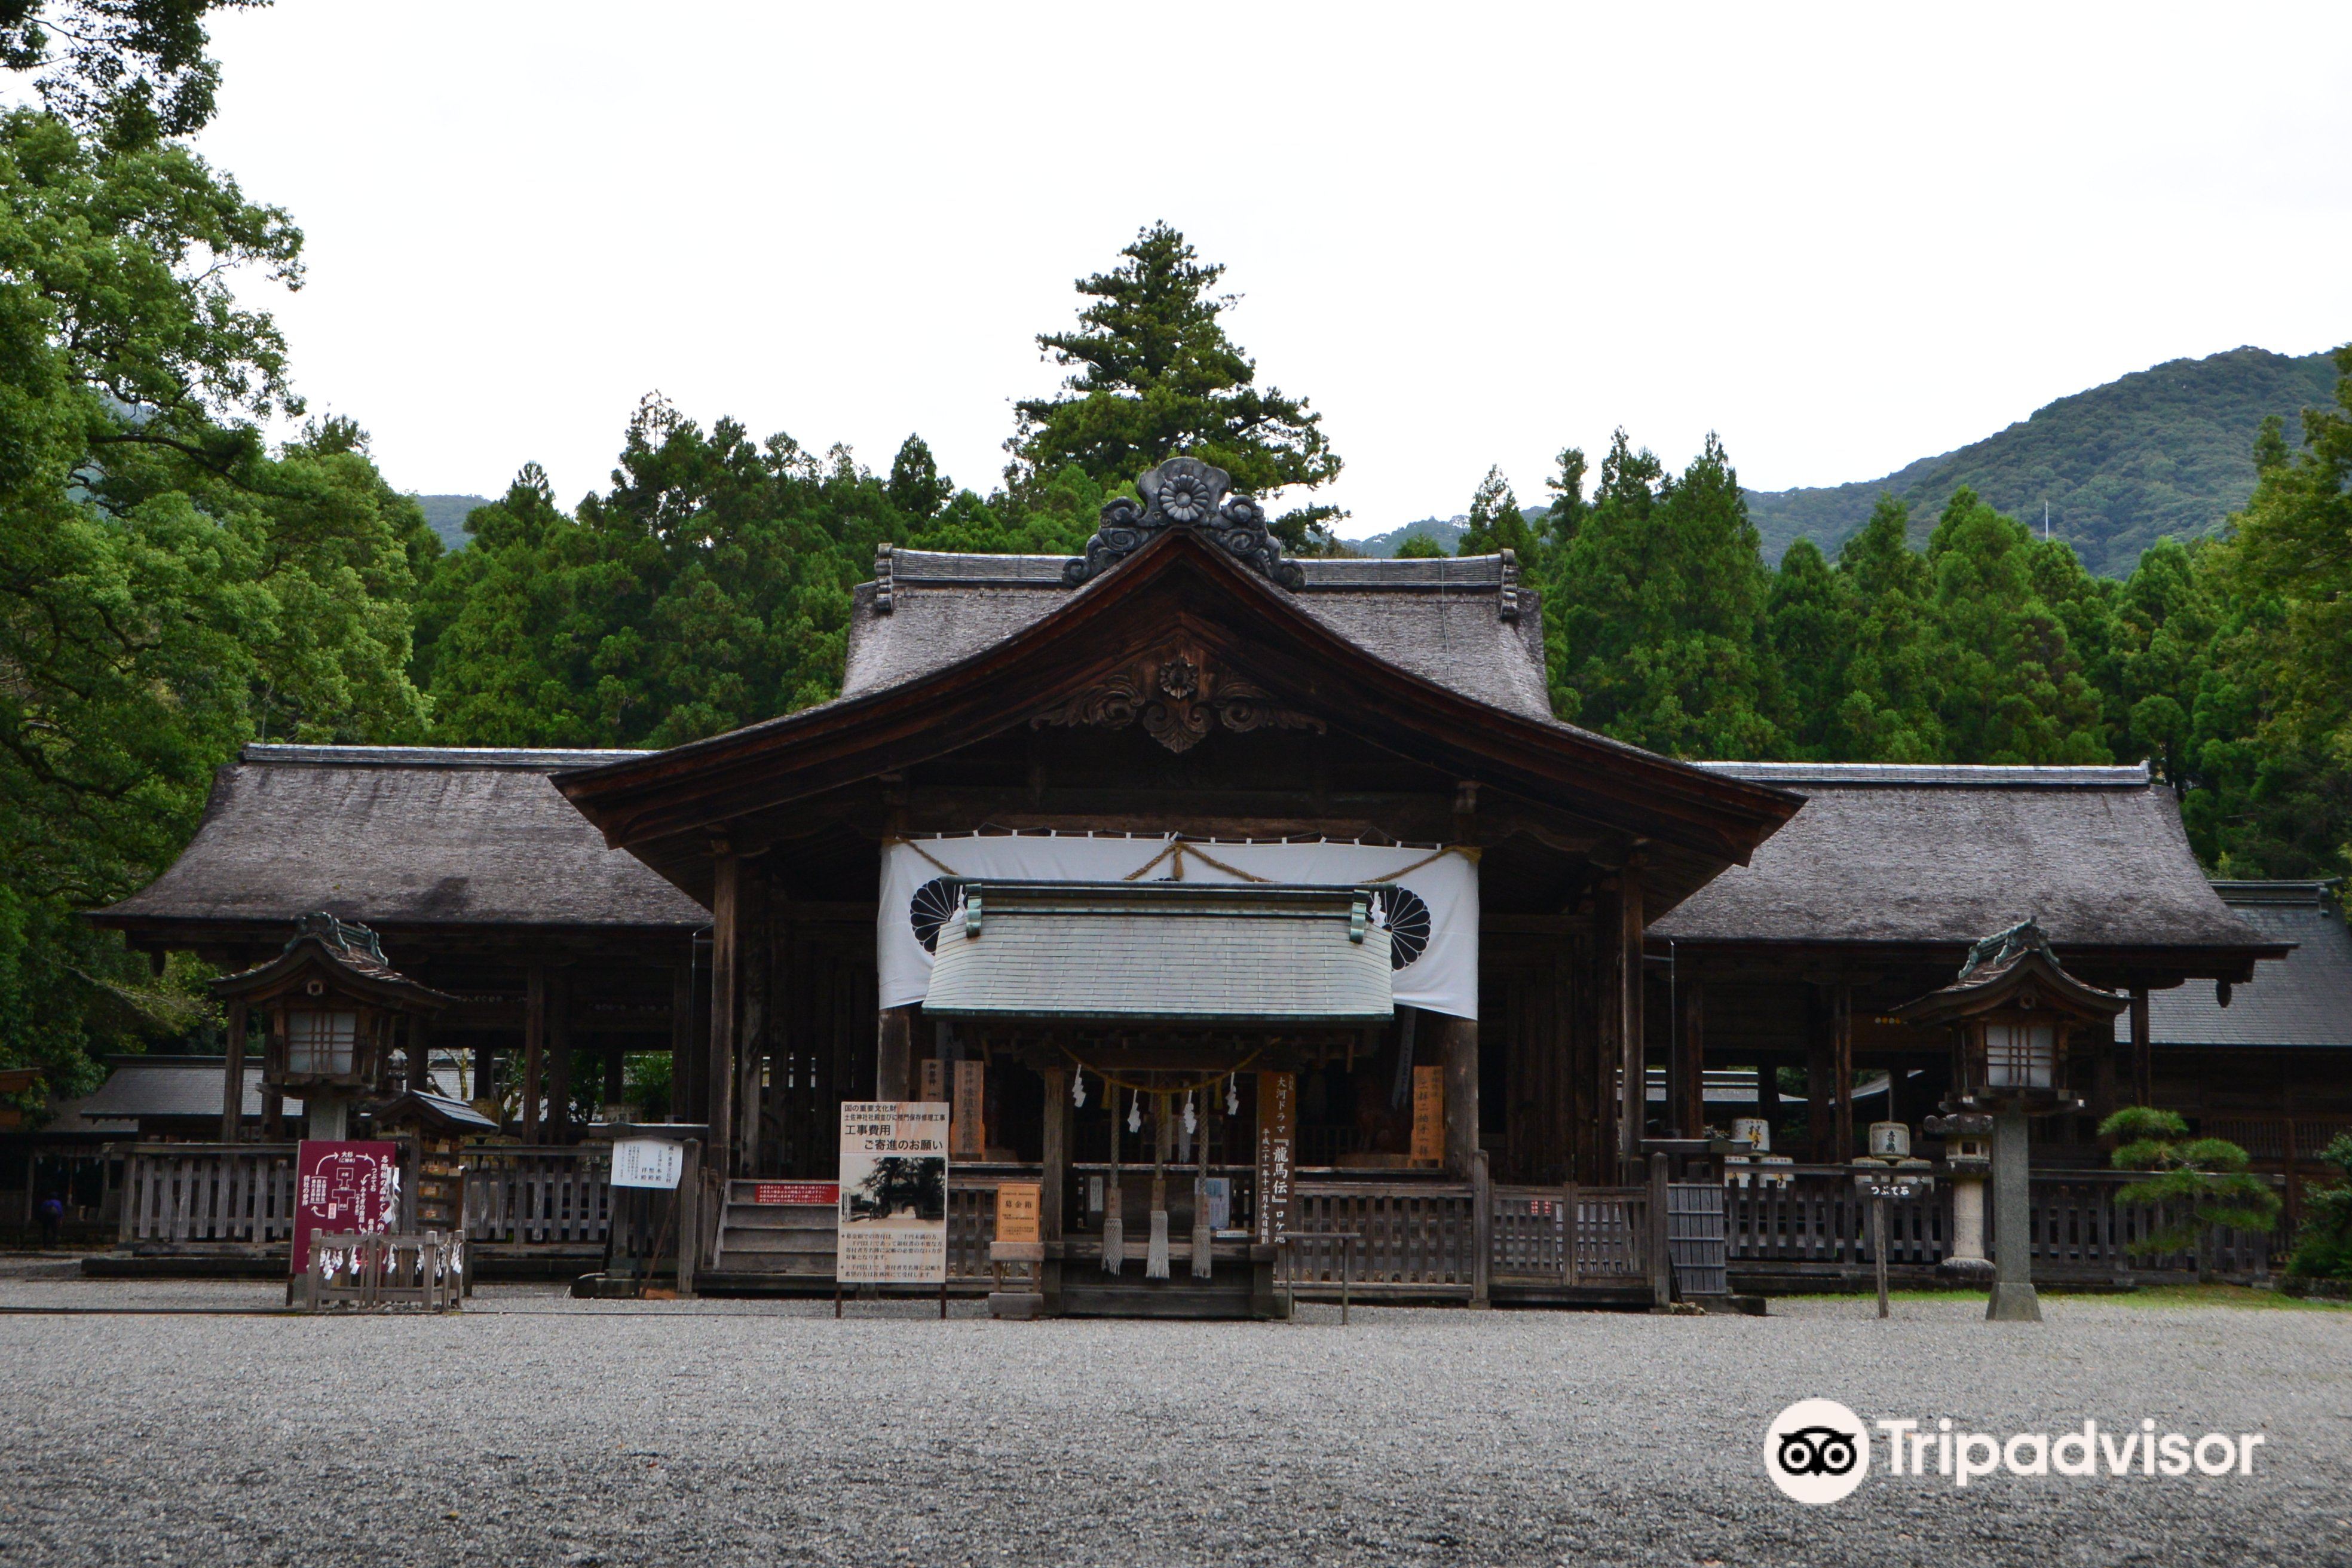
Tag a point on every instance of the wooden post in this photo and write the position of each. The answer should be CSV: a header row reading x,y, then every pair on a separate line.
x,y
1662,1265
1841,1064
1482,1232
2143,1051
1821,1055
534,1046
1690,1063
616,1079
1607,1104
558,1068
420,1052
893,1050
1634,1103
719,1082
1768,1099
684,1102
1057,1154
233,1074
486,1071
1461,1096
688,1199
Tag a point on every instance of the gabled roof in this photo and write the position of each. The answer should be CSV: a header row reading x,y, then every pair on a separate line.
x,y
341,953
1464,622
140,1087
2302,999
2002,965
1938,856
665,806
400,837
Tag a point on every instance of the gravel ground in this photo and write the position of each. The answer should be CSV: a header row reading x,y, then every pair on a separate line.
x,y
536,1430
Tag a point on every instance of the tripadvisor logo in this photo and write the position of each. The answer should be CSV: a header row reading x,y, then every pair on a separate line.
x,y
1818,1451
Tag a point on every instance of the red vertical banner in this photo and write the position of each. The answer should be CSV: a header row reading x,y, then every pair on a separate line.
x,y
1277,1147
342,1187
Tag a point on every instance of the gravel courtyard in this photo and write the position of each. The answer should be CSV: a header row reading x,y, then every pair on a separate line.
x,y
536,1430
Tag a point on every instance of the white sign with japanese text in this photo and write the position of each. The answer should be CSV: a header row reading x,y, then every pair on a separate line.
x,y
894,1193
646,1162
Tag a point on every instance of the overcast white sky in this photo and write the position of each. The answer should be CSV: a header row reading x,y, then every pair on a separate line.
x,y
1843,239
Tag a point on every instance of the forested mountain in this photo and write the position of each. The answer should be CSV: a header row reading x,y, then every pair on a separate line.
x,y
2161,451
445,516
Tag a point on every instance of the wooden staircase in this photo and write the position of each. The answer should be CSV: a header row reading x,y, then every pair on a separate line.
x,y
769,1244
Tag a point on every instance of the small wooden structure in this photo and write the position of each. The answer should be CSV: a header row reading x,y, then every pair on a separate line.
x,y
336,1013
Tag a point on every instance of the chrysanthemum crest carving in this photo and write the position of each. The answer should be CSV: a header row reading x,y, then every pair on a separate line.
x,y
1184,492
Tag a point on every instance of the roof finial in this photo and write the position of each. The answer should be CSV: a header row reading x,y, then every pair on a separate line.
x,y
1184,492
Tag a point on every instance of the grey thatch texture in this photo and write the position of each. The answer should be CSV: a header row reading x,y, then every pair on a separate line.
x,y
1949,854
2302,999
1161,952
404,836
1440,619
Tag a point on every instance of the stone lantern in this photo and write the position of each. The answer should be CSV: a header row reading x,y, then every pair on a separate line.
x,y
337,1014
2011,1014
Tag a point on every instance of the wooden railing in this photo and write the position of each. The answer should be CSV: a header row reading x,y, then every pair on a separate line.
x,y
971,1222
208,1194
1419,1238
1530,1234
518,1196
1813,1218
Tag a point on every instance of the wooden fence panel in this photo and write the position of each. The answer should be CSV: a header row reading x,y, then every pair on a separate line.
x,y
199,1194
538,1197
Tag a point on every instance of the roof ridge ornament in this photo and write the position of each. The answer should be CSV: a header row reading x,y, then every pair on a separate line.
x,y
2005,947
1184,492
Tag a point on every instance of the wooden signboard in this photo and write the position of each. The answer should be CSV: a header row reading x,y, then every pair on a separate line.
x,y
342,1187
893,1225
1016,1210
968,1131
1429,1116
1277,1145
647,1162
935,1078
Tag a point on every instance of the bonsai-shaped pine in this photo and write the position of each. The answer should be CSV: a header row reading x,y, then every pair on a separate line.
x,y
2198,1184
2323,1246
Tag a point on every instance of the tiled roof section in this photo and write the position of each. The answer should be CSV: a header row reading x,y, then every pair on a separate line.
x,y
404,836
2302,999
170,1086
1163,951
1464,622
1947,855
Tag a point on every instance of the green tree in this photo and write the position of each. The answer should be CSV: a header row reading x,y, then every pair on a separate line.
x,y
1893,688
1156,376
2323,1244
2014,690
1811,615
1496,521
168,586
1419,547
1654,611
2200,1185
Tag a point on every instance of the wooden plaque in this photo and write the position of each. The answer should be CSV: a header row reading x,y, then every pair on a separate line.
x,y
968,1130
1429,1115
1016,1210
1277,1144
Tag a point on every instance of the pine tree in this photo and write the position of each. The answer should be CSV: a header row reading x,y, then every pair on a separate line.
x,y
1156,376
1811,618
1889,712
1496,521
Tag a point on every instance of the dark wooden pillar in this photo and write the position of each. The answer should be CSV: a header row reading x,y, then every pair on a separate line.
x,y
1842,1065
1820,1071
893,1053
273,1065
1057,1153
232,1076
684,1102
718,1083
2143,1051
420,1052
1768,1099
1461,1094
559,1054
486,1071
1634,1103
616,1073
534,1046
1688,1092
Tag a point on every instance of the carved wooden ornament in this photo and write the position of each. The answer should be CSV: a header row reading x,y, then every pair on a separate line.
x,y
1178,694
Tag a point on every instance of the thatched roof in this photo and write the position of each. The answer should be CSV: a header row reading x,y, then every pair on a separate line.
x,y
1943,854
1464,622
2304,999
401,838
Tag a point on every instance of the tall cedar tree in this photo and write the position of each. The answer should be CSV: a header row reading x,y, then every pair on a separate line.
x,y
1655,611
1158,376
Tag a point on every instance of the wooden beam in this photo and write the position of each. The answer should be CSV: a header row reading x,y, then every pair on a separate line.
x,y
232,1076
1633,1105
1461,1093
1056,1153
894,1052
719,1085
2143,1051
559,1047
534,1048
1820,1059
1689,1091
685,1101
1841,1064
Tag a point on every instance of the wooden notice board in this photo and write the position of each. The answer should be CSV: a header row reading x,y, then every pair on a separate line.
x,y
1016,1211
1429,1115
968,1130
1277,1145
